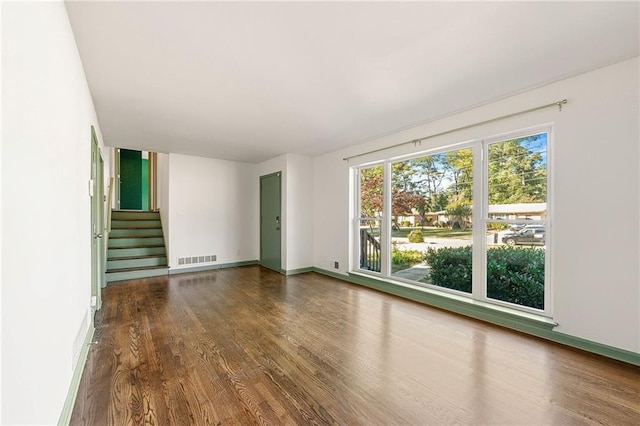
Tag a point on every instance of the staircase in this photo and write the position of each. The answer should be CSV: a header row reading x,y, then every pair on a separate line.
x,y
136,246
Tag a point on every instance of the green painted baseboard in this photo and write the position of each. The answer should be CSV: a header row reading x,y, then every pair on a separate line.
x,y
67,409
173,271
298,271
510,318
234,264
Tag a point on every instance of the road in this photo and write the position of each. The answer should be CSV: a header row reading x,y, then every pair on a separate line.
x,y
404,244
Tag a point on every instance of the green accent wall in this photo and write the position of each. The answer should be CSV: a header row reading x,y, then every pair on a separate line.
x,y
130,180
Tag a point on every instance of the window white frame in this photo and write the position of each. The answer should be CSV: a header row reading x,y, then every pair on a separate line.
x,y
479,291
480,218
358,217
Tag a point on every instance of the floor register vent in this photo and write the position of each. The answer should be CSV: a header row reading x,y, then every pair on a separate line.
x,y
196,259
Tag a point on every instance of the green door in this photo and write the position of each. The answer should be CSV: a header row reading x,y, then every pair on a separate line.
x,y
130,180
270,222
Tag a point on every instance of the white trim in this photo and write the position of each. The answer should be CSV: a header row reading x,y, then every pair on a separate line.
x,y
358,217
548,260
433,151
479,236
485,220
385,228
354,196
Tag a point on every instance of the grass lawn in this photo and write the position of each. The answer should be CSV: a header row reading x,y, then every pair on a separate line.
x,y
433,232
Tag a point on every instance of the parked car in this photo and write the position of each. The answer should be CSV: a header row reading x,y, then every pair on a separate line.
x,y
529,235
518,226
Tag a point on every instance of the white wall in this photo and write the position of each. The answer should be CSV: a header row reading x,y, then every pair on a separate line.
x,y
163,195
212,210
300,213
1,198
47,112
296,209
331,237
595,243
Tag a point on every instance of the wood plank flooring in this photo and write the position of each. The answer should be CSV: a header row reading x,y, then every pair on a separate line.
x,y
250,346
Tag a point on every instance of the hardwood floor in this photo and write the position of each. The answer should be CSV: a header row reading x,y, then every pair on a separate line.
x,y
250,346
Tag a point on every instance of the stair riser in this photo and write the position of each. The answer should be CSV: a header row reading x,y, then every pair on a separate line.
x,y
155,232
132,275
131,233
137,251
127,224
137,241
134,216
136,263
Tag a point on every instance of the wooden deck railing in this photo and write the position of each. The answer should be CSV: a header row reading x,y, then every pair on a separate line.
x,y
369,251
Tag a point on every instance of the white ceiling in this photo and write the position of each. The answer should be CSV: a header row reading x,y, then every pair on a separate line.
x,y
250,81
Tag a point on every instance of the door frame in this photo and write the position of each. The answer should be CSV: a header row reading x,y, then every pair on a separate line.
x,y
152,180
97,223
131,168
116,167
279,195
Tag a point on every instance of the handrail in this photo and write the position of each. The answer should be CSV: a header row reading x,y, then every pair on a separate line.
x,y
373,240
109,201
370,251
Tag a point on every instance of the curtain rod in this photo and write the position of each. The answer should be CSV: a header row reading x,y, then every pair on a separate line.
x,y
416,141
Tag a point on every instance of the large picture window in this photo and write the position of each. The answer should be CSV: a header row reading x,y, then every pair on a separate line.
x,y
471,220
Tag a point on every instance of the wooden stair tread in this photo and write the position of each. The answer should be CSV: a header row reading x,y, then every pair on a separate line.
x,y
135,211
135,246
136,219
135,227
146,256
134,236
140,268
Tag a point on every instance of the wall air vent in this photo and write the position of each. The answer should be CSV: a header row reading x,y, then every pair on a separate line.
x,y
190,260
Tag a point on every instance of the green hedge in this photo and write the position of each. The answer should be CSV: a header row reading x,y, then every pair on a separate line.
x,y
415,236
406,258
450,267
514,274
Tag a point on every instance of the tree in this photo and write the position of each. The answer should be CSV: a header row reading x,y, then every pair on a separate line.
x,y
518,171
459,165
459,212
438,202
403,203
430,172
405,195
371,188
